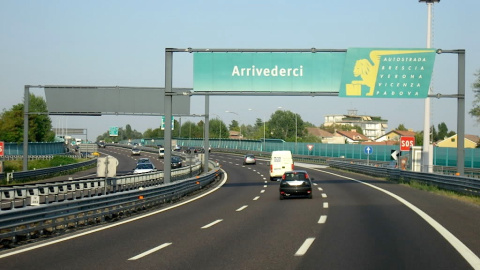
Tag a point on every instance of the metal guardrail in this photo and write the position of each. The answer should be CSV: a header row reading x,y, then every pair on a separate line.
x,y
35,174
20,196
460,184
31,222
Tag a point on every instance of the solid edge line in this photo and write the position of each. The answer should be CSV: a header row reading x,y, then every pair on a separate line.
x,y
466,253
148,252
113,225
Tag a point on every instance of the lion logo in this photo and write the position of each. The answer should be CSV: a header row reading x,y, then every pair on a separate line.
x,y
367,70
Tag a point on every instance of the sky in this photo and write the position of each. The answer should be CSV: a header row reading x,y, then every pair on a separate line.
x,y
122,43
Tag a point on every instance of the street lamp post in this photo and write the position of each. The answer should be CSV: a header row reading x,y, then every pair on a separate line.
x,y
427,155
220,134
239,136
296,127
263,120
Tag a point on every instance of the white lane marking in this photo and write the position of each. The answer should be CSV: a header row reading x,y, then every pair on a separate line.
x,y
467,254
262,191
256,198
264,186
40,245
324,195
212,223
305,246
241,208
315,184
148,252
320,189
325,205
323,219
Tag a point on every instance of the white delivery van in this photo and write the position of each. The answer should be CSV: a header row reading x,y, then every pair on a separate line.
x,y
161,152
280,162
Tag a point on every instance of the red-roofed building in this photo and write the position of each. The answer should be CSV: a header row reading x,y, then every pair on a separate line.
x,y
395,135
352,136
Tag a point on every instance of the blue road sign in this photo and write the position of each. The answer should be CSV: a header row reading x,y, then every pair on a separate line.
x,y
368,150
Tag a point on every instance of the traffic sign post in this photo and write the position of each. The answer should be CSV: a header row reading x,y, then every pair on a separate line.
x,y
2,150
310,148
368,150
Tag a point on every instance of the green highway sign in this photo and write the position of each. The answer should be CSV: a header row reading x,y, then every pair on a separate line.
x,y
387,73
113,131
162,124
271,72
360,72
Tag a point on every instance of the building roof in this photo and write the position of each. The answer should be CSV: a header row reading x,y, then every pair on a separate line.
x,y
352,135
319,132
473,138
404,132
381,143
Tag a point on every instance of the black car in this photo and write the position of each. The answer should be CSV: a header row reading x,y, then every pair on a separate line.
x,y
176,162
295,183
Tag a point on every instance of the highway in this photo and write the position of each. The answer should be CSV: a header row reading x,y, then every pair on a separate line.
x,y
352,222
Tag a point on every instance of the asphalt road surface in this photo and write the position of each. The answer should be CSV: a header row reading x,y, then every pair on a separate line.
x,y
352,222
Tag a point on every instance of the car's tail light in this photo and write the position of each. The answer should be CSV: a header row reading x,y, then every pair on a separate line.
x,y
292,167
283,177
306,176
271,168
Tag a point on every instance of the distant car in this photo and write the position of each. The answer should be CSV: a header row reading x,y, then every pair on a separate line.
x,y
177,148
249,159
191,150
101,144
295,183
143,160
135,151
161,152
176,162
144,168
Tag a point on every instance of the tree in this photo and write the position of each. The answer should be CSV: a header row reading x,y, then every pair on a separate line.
x,y
283,124
122,135
336,127
218,129
475,111
234,126
402,127
192,130
39,125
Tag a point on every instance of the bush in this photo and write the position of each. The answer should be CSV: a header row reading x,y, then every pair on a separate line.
x,y
17,165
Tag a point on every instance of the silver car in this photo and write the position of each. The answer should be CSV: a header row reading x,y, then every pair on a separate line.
x,y
249,159
144,168
135,151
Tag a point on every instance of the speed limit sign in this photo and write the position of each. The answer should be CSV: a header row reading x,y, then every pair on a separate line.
x,y
2,146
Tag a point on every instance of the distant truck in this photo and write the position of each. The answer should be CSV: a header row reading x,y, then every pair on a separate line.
x,y
161,152
280,162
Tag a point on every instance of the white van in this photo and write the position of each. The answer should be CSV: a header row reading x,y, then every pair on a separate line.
x,y
280,162
161,152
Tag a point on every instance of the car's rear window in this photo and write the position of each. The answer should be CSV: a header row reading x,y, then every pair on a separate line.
x,y
295,176
144,166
